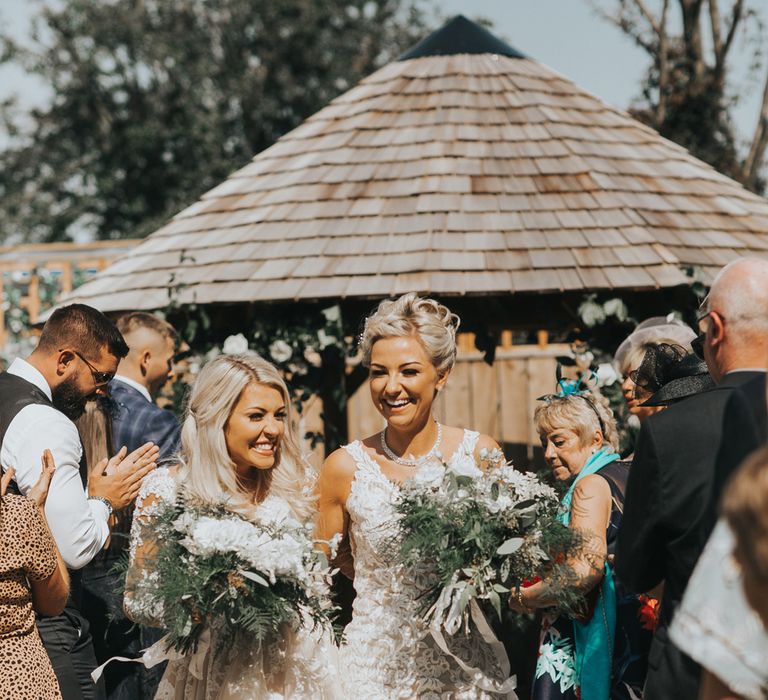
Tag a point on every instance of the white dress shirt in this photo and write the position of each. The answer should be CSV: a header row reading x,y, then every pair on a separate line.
x,y
78,525
135,385
715,625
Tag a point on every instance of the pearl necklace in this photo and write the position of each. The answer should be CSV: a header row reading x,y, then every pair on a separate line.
x,y
418,461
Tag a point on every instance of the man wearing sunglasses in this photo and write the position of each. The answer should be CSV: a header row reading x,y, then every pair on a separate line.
x,y
76,357
668,512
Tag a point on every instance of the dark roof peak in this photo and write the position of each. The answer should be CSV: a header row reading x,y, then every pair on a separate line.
x,y
460,35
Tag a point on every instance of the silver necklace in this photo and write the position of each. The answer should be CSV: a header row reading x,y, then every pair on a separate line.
x,y
434,452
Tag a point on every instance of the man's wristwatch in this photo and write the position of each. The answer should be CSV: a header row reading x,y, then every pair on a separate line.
x,y
105,501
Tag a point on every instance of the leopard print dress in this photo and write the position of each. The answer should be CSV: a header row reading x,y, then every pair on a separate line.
x,y
27,552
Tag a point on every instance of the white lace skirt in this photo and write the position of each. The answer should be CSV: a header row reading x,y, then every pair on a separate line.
x,y
300,666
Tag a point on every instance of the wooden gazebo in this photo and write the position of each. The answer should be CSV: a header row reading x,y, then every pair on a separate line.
x,y
463,169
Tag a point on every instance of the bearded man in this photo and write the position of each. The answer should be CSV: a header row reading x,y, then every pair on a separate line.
x,y
76,357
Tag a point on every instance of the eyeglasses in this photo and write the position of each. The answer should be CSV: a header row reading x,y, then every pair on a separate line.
x,y
703,314
697,344
99,378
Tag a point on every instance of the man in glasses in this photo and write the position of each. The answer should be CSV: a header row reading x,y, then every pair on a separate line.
x,y
668,514
76,357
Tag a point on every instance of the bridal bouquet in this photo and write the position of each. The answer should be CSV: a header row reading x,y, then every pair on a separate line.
x,y
252,578
483,534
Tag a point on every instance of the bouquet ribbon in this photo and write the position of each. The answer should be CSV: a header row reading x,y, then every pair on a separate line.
x,y
478,676
160,651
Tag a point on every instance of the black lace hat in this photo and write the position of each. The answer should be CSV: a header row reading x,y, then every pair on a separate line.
x,y
670,373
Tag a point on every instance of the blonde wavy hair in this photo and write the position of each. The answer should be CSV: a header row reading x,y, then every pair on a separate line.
x,y
207,473
583,413
432,323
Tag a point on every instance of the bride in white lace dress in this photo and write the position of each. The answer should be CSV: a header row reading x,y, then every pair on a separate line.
x,y
409,346
237,449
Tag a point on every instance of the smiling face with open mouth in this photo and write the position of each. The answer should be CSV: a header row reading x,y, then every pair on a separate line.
x,y
403,381
255,428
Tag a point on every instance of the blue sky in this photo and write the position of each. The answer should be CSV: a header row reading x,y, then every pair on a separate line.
x,y
567,35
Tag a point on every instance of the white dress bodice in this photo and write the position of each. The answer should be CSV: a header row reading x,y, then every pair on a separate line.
x,y
389,652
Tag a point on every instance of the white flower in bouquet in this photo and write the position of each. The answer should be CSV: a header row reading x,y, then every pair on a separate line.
x,y
464,468
277,556
208,535
275,511
280,351
429,475
235,345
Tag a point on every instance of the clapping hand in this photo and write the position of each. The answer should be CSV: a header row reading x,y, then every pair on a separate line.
x,y
39,492
6,479
119,479
141,457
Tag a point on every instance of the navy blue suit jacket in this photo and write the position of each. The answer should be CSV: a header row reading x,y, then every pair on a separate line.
x,y
136,421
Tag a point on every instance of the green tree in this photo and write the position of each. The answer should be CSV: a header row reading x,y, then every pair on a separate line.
x,y
154,102
688,91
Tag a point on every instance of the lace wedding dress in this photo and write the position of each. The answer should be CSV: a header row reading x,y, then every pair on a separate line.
x,y
389,651
299,666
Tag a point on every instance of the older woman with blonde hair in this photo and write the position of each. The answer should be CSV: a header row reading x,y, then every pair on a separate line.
x,y
238,448
409,347
603,653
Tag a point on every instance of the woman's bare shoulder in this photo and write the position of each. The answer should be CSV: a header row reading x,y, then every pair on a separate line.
x,y
338,464
592,487
486,442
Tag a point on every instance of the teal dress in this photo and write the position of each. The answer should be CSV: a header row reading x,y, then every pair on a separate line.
x,y
635,618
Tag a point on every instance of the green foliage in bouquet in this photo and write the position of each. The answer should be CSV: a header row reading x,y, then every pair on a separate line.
x,y
221,584
484,535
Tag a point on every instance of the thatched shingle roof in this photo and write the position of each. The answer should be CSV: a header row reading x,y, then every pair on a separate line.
x,y
450,173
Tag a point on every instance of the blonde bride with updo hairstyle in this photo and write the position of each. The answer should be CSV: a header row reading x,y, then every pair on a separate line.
x,y
239,451
409,347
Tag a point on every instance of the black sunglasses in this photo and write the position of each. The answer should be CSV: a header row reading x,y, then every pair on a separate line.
x,y
99,377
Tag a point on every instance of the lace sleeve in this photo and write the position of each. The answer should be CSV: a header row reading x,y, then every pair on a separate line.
x,y
715,624
141,604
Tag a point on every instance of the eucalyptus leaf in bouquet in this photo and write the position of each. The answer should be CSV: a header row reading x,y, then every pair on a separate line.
x,y
246,578
484,534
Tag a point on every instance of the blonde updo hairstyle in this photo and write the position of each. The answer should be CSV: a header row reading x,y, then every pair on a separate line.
x,y
429,321
207,473
578,412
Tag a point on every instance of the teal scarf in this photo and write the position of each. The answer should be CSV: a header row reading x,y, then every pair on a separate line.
x,y
594,639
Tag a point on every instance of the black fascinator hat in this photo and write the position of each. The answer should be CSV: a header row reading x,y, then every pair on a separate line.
x,y
670,373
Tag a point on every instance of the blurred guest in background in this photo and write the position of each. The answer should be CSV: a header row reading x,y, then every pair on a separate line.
x,y
129,417
670,373
668,516
141,375
651,332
